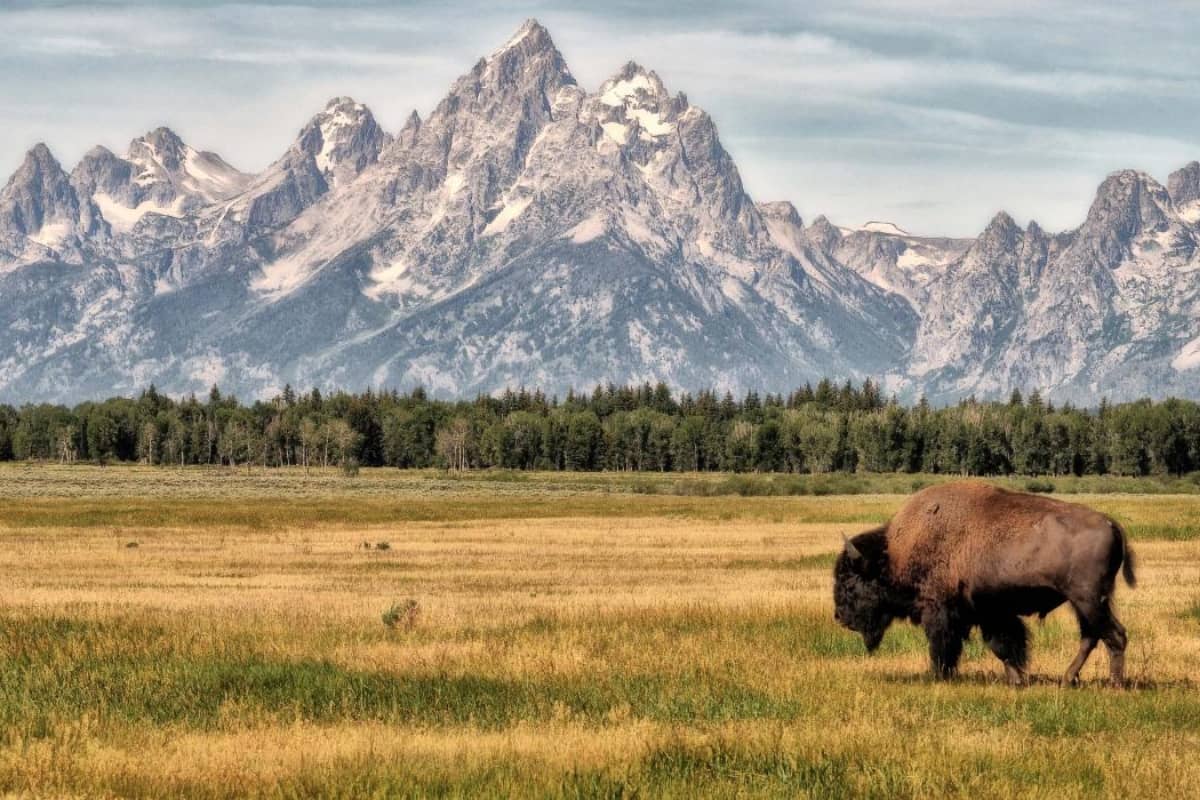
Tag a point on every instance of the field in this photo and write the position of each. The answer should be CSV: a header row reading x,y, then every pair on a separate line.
x,y
216,634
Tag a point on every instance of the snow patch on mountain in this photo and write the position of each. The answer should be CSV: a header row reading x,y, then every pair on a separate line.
x,y
123,219
51,235
618,92
590,229
1188,357
509,212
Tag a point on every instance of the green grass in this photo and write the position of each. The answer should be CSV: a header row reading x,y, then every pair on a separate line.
x,y
131,670
128,670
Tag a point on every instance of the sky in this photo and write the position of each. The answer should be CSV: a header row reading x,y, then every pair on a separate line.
x,y
931,114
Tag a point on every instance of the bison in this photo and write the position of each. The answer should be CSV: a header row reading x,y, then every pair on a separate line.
x,y
967,554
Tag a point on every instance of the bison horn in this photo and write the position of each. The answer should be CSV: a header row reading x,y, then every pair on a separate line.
x,y
851,550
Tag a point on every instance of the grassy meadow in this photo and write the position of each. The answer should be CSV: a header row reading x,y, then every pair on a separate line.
x,y
209,633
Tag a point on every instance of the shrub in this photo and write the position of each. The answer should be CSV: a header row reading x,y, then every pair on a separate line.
x,y
402,615
1038,485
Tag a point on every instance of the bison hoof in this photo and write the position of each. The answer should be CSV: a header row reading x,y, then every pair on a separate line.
x,y
1016,678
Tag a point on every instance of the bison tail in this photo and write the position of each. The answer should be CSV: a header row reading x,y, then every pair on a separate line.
x,y
1127,565
1127,569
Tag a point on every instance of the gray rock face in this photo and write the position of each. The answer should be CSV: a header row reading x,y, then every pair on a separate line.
x,y
1184,189
1107,309
528,231
41,216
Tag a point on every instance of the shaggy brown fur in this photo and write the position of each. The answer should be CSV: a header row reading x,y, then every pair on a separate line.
x,y
967,554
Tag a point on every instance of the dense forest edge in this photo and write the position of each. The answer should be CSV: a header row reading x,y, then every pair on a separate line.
x,y
823,429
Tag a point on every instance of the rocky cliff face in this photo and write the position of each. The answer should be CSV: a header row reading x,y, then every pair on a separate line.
x,y
41,216
529,231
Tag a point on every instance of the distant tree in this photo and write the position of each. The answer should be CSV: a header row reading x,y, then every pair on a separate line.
x,y
101,435
453,442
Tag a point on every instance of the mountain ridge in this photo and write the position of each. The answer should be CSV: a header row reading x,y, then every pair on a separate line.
x,y
528,231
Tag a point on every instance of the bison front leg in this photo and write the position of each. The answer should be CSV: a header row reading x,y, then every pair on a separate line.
x,y
944,629
1008,638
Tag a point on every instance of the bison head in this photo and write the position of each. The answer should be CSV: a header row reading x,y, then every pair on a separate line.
x,y
862,598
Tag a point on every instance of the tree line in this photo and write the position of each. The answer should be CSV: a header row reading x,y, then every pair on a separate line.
x,y
815,429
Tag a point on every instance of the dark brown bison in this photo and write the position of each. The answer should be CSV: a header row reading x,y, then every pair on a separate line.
x,y
966,554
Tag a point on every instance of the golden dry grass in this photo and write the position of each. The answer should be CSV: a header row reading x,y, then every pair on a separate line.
x,y
573,642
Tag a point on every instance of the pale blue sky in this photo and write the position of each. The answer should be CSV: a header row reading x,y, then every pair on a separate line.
x,y
933,114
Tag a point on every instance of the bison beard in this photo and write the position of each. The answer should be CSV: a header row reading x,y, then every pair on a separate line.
x,y
965,555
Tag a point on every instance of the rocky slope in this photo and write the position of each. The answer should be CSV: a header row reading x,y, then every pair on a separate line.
x,y
529,231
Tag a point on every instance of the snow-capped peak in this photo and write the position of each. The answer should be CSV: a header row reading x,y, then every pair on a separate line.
x,y
629,86
161,146
161,157
636,97
343,139
528,230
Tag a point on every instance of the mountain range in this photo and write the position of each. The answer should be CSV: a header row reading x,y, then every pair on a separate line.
x,y
530,232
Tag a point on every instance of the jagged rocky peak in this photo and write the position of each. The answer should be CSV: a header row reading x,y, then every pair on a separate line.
x,y
1184,187
823,234
481,133
38,167
38,164
519,79
161,148
343,139
104,177
1128,206
38,201
1003,230
528,51
1127,203
782,211
98,157
412,127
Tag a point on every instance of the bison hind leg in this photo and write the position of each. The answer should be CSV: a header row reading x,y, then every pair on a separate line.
x,y
1115,639
1098,623
1008,639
